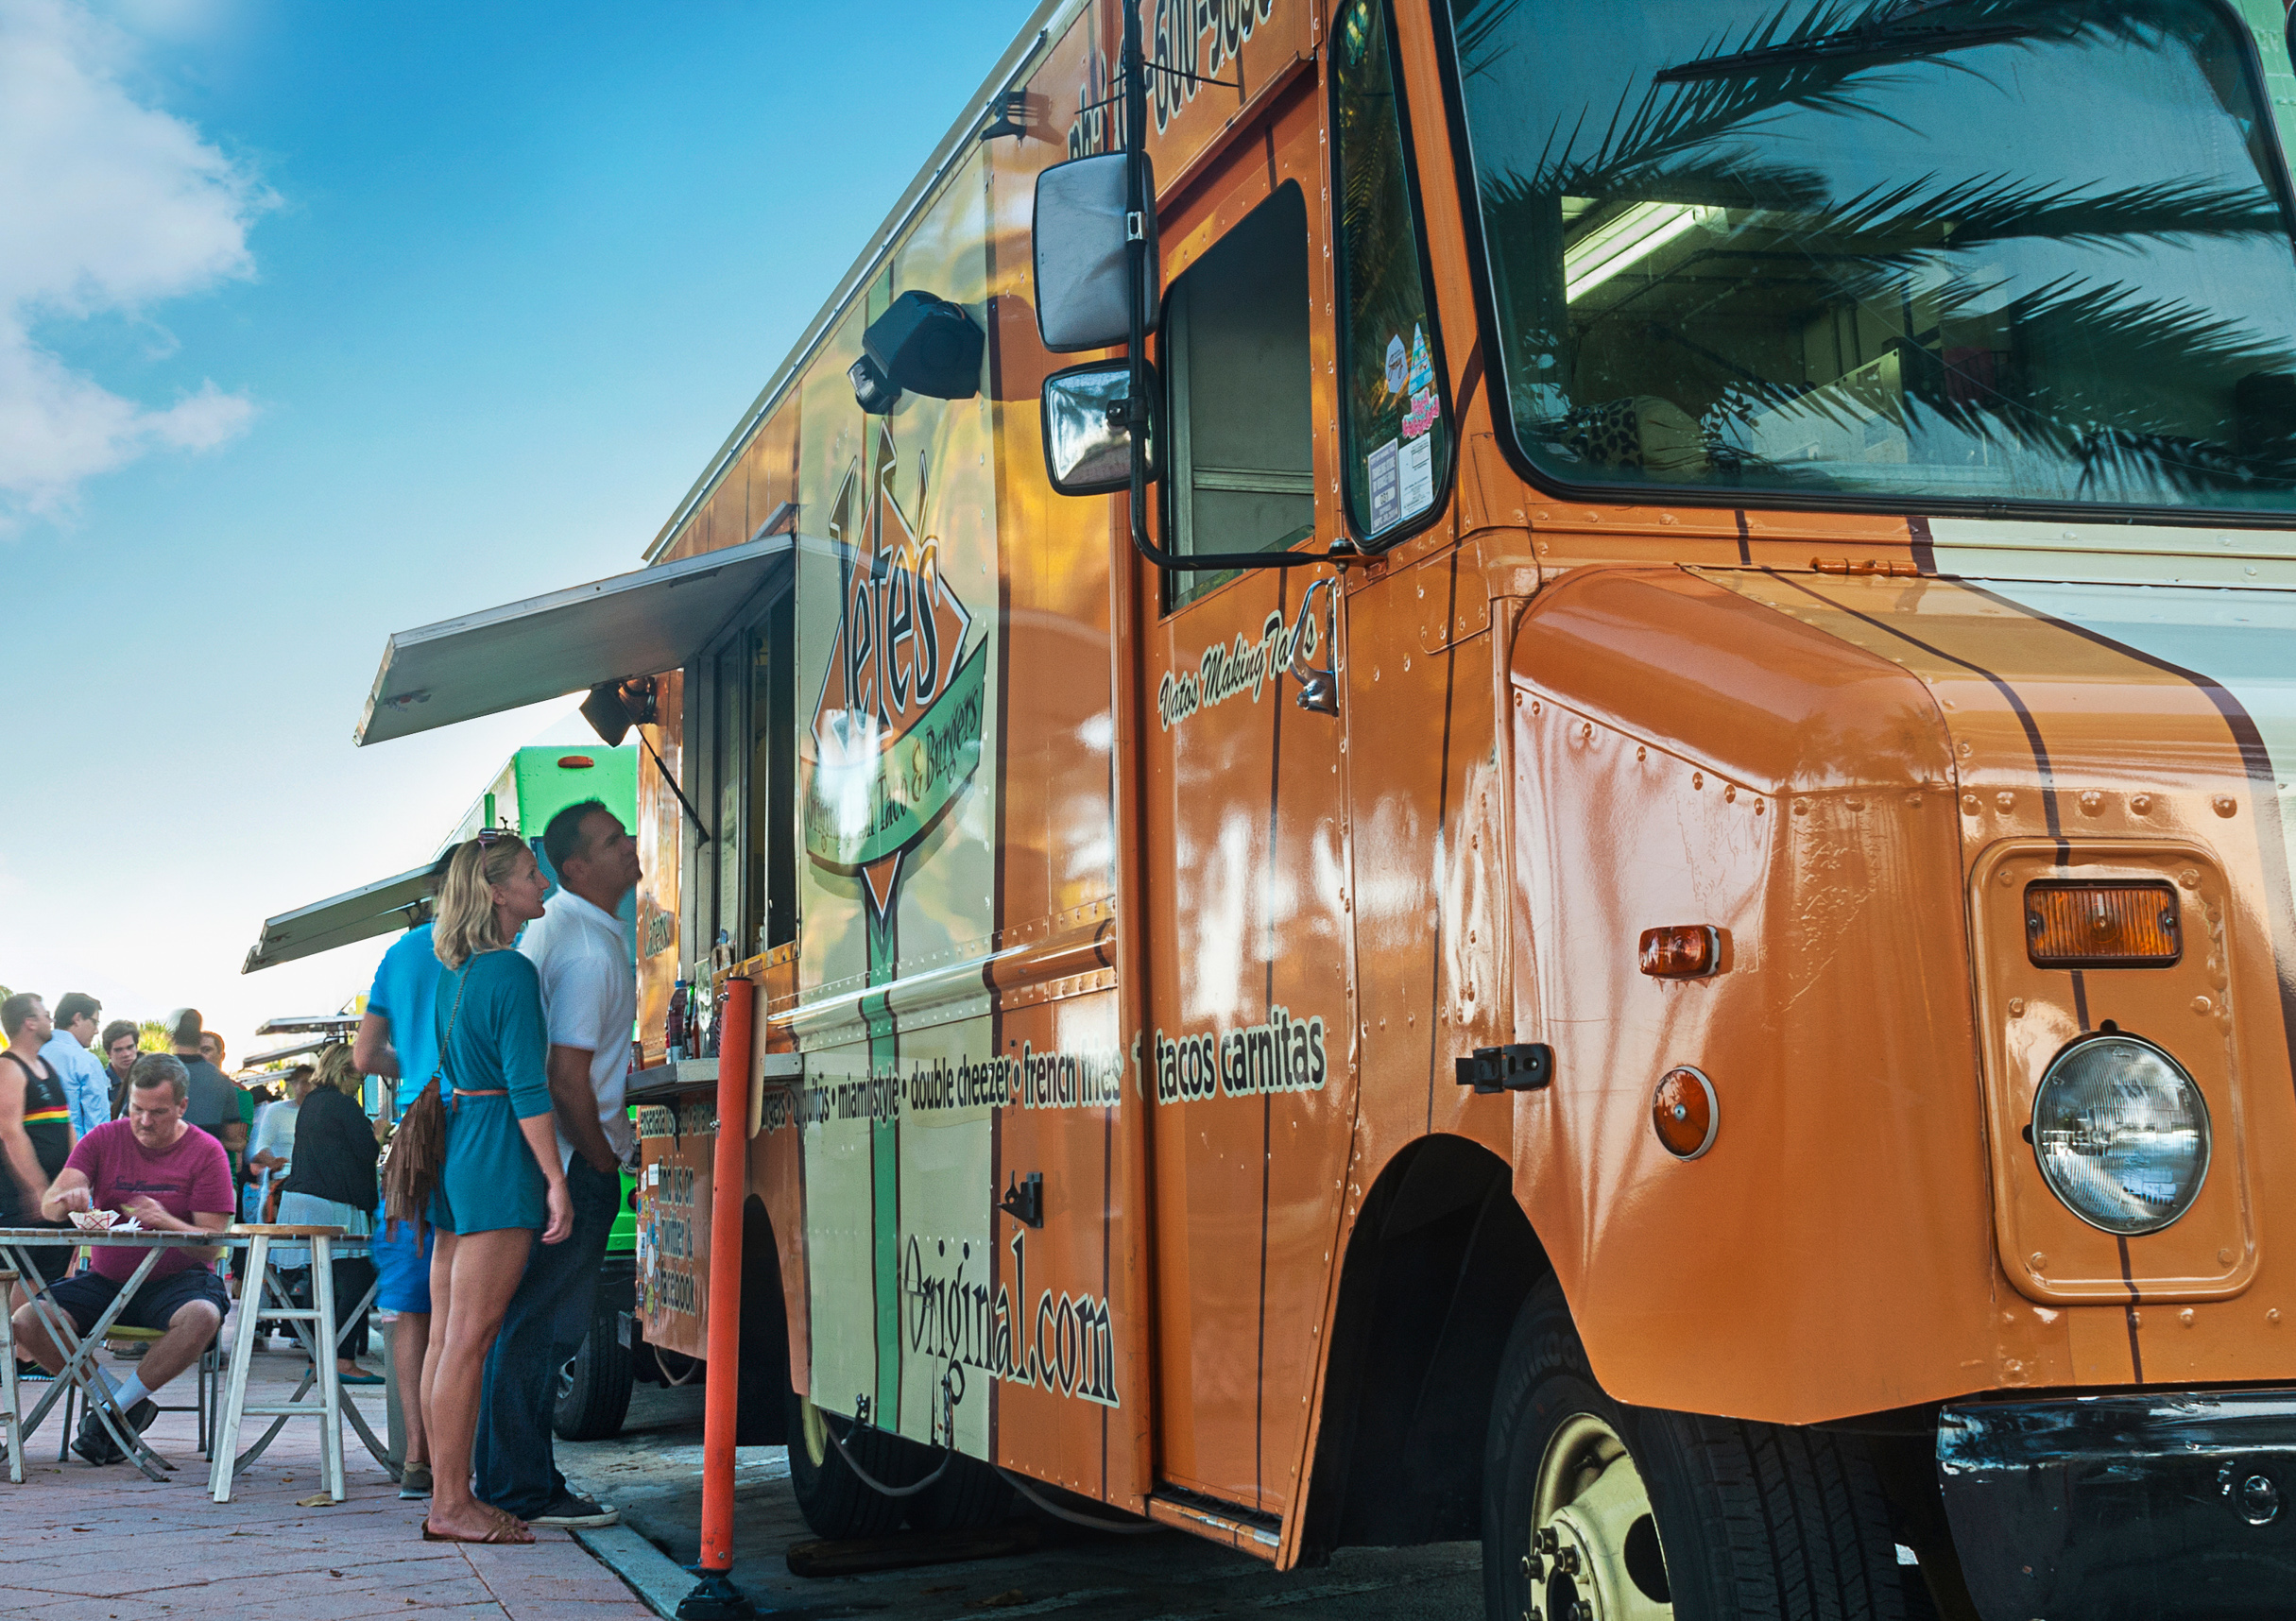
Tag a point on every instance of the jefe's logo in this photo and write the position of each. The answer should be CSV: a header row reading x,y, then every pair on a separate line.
x,y
896,734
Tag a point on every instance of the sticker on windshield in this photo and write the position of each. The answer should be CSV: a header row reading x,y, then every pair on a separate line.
x,y
1386,495
1398,367
1426,411
1418,475
1422,366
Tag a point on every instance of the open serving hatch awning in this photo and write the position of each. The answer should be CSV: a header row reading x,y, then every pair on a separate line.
x,y
640,623
280,1054
379,908
310,1024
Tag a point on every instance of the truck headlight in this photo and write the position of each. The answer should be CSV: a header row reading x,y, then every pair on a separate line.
x,y
2121,1132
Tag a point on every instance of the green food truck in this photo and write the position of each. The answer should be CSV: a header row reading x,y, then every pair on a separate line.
x,y
534,785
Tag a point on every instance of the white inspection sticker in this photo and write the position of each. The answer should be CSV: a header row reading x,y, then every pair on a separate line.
x,y
1386,497
1418,475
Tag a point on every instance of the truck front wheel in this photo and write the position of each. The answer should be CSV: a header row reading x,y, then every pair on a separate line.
x,y
1597,1511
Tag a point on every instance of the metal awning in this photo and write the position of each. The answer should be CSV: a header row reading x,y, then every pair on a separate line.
x,y
640,623
310,1024
362,914
258,1060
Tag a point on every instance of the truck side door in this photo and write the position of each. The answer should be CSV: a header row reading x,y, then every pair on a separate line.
x,y
1246,1051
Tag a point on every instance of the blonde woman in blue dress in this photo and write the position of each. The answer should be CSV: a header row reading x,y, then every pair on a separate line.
x,y
500,1180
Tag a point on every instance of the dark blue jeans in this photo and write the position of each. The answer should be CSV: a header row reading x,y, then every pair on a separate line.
x,y
545,1325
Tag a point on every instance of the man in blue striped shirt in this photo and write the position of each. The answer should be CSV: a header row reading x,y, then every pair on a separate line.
x,y
87,1088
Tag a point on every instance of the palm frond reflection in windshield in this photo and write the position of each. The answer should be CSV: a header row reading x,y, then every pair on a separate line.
x,y
2049,259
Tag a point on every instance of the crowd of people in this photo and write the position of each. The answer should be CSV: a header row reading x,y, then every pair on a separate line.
x,y
487,1184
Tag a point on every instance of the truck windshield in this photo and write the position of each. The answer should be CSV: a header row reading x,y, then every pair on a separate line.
x,y
1988,250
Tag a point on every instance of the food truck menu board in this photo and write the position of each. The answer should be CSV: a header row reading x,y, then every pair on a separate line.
x,y
676,1142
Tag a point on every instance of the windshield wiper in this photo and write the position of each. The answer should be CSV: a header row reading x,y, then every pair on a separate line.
x,y
1872,40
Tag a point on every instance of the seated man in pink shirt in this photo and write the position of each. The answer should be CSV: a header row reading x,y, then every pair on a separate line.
x,y
151,1166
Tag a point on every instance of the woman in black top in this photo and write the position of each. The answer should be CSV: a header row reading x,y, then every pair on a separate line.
x,y
331,1183
35,1128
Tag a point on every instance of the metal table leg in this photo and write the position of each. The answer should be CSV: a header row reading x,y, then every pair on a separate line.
x,y
10,1420
222,1465
79,1357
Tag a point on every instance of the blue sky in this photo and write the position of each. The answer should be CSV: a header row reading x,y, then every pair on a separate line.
x,y
319,322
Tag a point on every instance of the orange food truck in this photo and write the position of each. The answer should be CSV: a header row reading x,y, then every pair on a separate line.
x,y
1447,769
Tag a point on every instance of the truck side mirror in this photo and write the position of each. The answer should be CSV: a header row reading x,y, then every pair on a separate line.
x,y
1090,426
1082,225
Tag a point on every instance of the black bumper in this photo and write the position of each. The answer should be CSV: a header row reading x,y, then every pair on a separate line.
x,y
2144,1507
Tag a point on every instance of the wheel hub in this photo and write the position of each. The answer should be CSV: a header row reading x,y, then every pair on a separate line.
x,y
815,1432
1594,1541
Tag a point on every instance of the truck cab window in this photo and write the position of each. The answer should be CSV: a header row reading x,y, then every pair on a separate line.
x,y
1243,473
2009,252
1397,444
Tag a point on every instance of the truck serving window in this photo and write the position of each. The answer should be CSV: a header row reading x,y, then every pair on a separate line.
x,y
1398,438
1977,249
1234,348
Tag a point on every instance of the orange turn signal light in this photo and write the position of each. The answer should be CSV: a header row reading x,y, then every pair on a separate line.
x,y
1684,1112
1681,951
2129,924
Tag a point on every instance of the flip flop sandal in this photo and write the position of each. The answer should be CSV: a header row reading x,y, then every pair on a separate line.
x,y
504,1534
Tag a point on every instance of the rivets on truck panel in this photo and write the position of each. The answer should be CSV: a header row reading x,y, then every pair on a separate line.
x,y
2224,1257
1969,805
2141,803
2092,803
2223,805
2189,879
2202,1005
2186,1317
2036,1262
2005,800
2017,1007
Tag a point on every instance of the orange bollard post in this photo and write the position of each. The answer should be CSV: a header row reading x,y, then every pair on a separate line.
x,y
715,1597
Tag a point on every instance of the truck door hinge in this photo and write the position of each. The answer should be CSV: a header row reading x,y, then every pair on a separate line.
x,y
1520,1066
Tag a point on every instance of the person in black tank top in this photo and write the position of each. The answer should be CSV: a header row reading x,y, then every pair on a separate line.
x,y
34,1115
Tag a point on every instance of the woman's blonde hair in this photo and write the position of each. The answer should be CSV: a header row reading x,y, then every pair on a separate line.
x,y
466,900
335,1069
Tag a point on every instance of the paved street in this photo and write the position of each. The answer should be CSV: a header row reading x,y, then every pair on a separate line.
x,y
652,1471
79,1544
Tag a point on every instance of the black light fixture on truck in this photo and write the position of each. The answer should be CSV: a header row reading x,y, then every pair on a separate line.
x,y
922,344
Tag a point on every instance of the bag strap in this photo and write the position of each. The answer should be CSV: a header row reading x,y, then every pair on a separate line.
x,y
462,983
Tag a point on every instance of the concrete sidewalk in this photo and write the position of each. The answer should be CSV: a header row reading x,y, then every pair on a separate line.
x,y
81,1544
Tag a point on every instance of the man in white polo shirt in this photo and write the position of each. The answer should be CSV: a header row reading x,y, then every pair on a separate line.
x,y
589,1003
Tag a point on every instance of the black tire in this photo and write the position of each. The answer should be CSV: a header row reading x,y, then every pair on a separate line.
x,y
594,1387
968,1495
1744,1520
837,1503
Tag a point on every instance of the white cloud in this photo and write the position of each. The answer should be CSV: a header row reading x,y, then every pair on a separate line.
x,y
105,205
